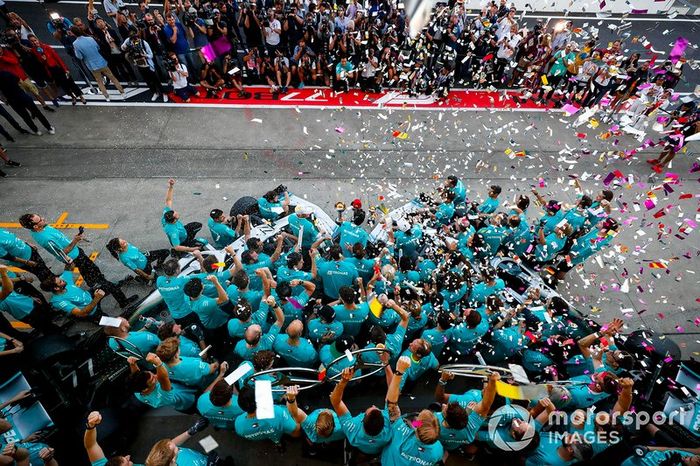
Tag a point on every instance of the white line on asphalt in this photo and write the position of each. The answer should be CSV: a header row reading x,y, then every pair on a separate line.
x,y
313,107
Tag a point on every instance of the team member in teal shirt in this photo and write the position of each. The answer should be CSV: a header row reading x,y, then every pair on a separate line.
x,y
96,455
466,335
182,237
139,262
459,424
410,445
219,404
169,452
519,240
156,390
221,232
187,346
293,306
172,289
244,318
68,298
301,220
439,335
320,426
325,328
556,451
253,260
294,349
578,216
369,431
553,214
293,270
446,210
458,187
22,307
349,313
335,273
189,371
144,340
270,207
493,235
351,233
592,242
655,456
21,254
254,339
491,203
209,310
489,286
250,427
240,289
421,358
548,247
408,237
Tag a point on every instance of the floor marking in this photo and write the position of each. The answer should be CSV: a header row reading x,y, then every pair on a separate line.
x,y
60,225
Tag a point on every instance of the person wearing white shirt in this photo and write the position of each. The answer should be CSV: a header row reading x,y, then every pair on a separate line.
x,y
272,33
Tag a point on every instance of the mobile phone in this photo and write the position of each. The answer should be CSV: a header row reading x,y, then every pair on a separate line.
x,y
81,230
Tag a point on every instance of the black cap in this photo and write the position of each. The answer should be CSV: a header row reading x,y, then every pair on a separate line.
x,y
216,213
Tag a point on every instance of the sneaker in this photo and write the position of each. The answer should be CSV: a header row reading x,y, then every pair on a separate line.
x,y
52,130
154,97
284,89
301,85
165,98
107,99
123,96
55,102
24,131
12,163
37,133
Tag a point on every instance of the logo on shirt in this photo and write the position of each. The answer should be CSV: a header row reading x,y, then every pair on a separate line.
x,y
502,438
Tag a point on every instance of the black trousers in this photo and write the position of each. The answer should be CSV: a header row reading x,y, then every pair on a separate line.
x,y
10,119
95,279
152,80
40,270
157,255
192,229
39,318
27,111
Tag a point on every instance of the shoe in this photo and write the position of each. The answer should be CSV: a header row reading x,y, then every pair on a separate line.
x,y
24,131
10,139
82,99
12,163
300,86
107,98
37,133
123,96
52,130
154,97
657,168
2,174
131,299
55,102
48,109
73,101
165,98
284,89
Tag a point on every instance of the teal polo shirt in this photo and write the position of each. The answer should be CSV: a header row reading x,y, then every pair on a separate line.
x,y
221,233
358,438
251,428
72,297
335,275
309,428
221,417
133,258
175,232
49,238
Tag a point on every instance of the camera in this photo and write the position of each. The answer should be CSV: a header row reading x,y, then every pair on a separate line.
x,y
169,64
279,190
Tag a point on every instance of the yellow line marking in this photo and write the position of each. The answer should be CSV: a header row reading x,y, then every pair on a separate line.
x,y
93,256
59,224
20,325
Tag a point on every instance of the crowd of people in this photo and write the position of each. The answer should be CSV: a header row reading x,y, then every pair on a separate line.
x,y
427,294
208,49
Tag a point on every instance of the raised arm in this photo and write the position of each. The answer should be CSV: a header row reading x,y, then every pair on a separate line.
x,y
440,395
393,392
171,188
400,311
295,411
624,399
161,371
314,267
278,249
488,394
221,296
93,449
87,310
279,313
337,393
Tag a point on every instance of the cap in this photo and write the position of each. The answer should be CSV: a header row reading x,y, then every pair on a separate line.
x,y
357,204
215,11
216,213
304,210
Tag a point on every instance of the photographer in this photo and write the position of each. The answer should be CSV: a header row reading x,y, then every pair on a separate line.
x,y
232,74
108,40
344,74
252,66
282,71
272,30
293,29
218,27
251,26
139,53
177,38
178,74
303,63
368,76
211,80
152,32
197,29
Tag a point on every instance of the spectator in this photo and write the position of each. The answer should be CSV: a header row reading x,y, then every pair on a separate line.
x,y
87,49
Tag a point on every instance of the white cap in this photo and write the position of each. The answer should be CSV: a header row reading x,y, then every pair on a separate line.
x,y
304,210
